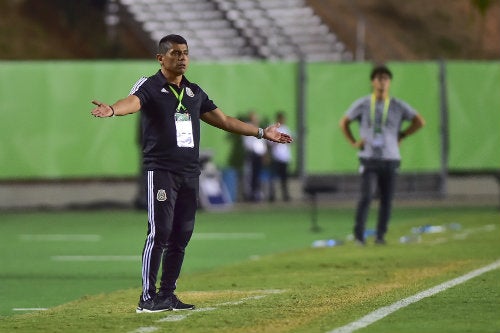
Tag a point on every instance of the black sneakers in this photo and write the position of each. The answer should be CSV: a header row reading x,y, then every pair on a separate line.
x,y
162,303
173,301
150,306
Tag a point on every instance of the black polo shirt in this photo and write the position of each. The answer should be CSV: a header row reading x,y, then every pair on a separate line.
x,y
159,139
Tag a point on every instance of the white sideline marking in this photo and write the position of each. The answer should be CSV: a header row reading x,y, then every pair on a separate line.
x,y
223,236
29,309
387,310
243,300
183,316
172,318
60,238
179,317
148,329
96,258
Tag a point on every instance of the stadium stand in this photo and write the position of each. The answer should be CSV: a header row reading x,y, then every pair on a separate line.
x,y
244,29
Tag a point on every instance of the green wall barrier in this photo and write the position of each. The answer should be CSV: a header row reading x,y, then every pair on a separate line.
x,y
46,125
333,87
474,115
48,133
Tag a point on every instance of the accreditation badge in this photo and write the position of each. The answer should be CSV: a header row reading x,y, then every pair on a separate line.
x,y
378,140
184,129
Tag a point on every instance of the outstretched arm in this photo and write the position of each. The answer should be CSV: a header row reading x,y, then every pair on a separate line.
x,y
122,107
220,120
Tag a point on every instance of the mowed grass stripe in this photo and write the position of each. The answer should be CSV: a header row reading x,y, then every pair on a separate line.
x,y
227,235
96,258
59,238
96,238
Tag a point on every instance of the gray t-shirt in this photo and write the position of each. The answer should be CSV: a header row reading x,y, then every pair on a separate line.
x,y
383,146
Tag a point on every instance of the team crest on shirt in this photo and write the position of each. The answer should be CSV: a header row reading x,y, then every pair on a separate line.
x,y
161,195
189,92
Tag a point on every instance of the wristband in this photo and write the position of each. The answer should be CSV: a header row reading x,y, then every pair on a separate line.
x,y
112,115
260,135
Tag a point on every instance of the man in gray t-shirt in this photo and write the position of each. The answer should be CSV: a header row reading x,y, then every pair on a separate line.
x,y
380,120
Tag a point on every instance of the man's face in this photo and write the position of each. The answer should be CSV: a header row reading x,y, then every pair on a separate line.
x,y
381,83
176,59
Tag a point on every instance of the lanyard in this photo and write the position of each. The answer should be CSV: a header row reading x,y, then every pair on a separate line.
x,y
387,101
179,98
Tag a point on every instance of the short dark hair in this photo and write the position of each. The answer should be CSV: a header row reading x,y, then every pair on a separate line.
x,y
380,69
166,42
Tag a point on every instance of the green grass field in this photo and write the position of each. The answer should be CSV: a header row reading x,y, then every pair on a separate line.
x,y
250,271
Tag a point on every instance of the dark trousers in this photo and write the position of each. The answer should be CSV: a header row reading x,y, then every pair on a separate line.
x,y
383,174
254,164
172,204
279,170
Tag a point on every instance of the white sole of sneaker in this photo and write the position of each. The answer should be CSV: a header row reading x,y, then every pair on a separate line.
x,y
141,310
183,309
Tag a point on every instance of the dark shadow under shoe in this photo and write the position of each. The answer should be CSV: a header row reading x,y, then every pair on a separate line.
x,y
173,301
380,241
151,305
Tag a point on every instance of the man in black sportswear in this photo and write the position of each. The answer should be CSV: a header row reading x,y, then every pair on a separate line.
x,y
171,109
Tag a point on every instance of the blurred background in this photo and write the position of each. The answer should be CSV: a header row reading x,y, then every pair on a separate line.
x,y
306,58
